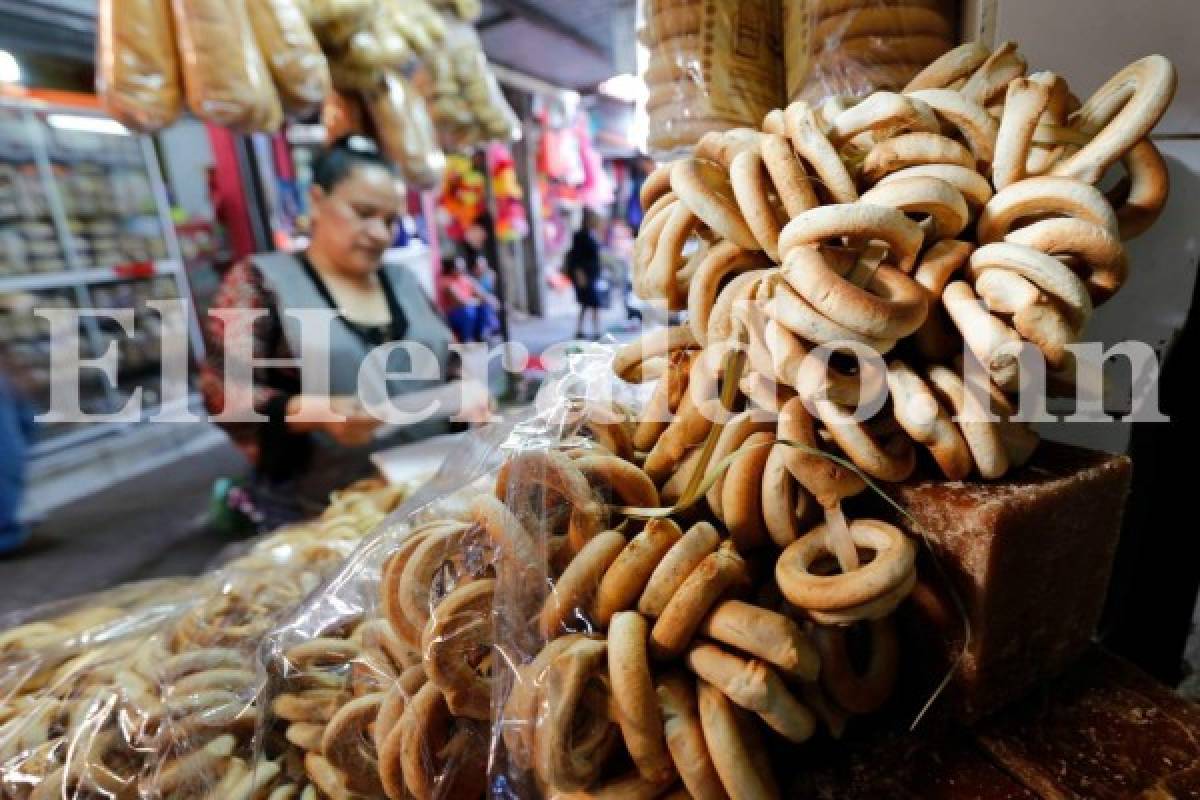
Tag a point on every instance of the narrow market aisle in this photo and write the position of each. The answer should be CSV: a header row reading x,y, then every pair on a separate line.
x,y
148,526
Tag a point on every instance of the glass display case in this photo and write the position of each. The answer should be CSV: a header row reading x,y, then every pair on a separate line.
x,y
85,223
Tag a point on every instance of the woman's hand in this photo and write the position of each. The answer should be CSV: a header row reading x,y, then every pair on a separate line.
x,y
349,425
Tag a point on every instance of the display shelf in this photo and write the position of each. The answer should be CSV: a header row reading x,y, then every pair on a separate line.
x,y
57,280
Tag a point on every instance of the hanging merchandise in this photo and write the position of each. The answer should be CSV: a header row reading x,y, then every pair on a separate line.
x,y
405,131
137,74
511,222
224,73
595,188
293,54
463,197
467,10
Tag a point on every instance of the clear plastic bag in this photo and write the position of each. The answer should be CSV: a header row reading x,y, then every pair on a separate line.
x,y
226,77
714,65
292,53
405,131
138,68
861,46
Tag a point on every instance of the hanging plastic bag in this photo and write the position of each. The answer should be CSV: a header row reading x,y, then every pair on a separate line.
x,y
292,53
137,73
714,65
405,131
857,48
226,78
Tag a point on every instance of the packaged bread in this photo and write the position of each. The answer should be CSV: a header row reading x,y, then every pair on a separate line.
x,y
714,65
138,68
292,53
405,131
856,47
335,21
224,73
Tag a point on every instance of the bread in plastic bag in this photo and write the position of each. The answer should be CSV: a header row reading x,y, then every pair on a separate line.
x,y
405,131
335,21
227,80
865,46
137,65
292,53
714,65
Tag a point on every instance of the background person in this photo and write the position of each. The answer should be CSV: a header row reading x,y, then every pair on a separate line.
x,y
356,204
464,301
582,265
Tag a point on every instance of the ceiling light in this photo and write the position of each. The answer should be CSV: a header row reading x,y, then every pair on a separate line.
x,y
73,122
626,87
10,70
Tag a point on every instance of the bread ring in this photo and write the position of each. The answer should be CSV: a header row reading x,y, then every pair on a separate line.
x,y
739,291
185,769
700,590
1120,114
1042,196
894,562
704,189
813,146
391,709
646,246
573,594
738,429
633,694
723,146
664,401
627,576
784,503
689,427
630,357
458,634
764,634
911,150
556,473
755,687
972,121
391,585
956,65
974,188
680,561
814,376
895,49
521,710
724,261
761,208
828,481
382,645
1140,198
347,744
857,221
865,692
622,479
891,459
685,736
880,112
734,745
575,738
791,181
741,493
660,204
944,204
1044,271
1025,102
438,755
1089,244
994,344
657,184
661,278
991,80
437,552
882,21
981,433
925,420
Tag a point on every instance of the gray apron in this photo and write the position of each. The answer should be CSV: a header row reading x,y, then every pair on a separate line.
x,y
333,465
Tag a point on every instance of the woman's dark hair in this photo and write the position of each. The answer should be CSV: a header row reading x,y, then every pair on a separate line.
x,y
341,158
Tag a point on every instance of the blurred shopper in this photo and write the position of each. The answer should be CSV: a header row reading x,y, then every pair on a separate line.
x,y
357,204
485,279
16,436
582,265
468,307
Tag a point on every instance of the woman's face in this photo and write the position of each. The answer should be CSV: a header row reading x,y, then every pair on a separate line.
x,y
356,222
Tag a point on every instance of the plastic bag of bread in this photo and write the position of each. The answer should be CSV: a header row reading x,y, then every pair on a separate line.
x,y
405,131
713,65
227,80
292,53
335,21
137,74
856,47
493,117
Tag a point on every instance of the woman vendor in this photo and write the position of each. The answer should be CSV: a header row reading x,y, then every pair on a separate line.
x,y
356,205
